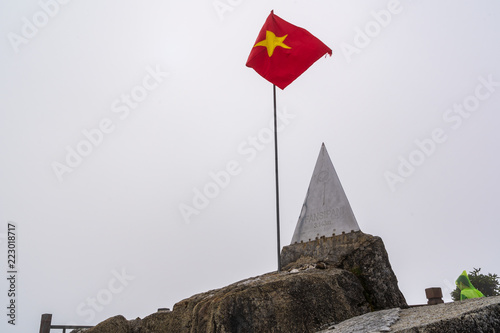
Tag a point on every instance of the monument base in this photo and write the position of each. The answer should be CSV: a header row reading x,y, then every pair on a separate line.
x,y
362,254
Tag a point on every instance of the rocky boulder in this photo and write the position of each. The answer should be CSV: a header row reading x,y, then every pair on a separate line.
x,y
324,281
276,302
361,254
117,324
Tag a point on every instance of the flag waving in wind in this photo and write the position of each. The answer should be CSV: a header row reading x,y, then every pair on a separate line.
x,y
283,51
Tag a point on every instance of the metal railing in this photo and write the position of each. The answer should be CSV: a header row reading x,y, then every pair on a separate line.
x,y
46,325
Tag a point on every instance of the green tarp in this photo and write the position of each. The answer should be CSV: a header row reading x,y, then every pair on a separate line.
x,y
467,289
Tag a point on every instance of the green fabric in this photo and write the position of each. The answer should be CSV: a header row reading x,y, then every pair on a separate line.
x,y
467,290
470,293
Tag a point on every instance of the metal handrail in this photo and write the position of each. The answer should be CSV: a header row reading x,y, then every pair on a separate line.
x,y
64,327
46,325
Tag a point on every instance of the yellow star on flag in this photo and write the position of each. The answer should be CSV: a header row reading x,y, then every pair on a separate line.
x,y
271,42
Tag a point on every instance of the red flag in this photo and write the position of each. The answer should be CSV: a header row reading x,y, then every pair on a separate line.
x,y
283,51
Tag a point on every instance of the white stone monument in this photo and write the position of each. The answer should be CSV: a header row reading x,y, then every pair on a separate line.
x,y
326,210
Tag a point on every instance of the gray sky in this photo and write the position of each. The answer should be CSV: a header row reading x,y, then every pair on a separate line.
x,y
115,115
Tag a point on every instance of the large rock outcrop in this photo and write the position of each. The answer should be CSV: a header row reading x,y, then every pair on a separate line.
x,y
302,301
359,253
479,315
322,282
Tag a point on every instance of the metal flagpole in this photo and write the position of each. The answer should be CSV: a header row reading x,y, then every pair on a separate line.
x,y
277,183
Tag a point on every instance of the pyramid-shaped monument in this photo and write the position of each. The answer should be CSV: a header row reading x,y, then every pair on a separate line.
x,y
326,210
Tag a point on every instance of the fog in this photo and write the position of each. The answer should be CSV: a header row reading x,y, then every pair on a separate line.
x,y
117,118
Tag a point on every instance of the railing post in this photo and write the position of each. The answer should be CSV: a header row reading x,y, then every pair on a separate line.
x,y
45,323
434,296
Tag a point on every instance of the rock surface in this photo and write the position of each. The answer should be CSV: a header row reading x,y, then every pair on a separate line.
x,y
117,324
274,302
479,315
361,254
377,321
473,315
